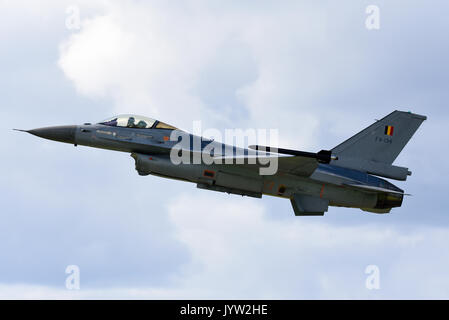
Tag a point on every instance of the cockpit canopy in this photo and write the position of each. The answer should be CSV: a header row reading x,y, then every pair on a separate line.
x,y
135,121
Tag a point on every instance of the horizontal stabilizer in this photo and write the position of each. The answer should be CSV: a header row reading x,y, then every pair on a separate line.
x,y
376,189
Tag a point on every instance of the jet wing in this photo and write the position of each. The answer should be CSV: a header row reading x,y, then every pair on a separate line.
x,y
294,161
298,165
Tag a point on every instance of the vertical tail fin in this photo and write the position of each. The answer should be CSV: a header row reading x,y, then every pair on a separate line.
x,y
383,140
375,148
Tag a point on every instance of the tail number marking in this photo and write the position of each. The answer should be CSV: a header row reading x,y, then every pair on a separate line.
x,y
383,139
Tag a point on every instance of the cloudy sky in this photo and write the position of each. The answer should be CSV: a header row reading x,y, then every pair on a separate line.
x,y
308,68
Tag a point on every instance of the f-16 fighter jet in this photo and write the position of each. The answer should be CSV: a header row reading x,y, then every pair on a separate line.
x,y
348,175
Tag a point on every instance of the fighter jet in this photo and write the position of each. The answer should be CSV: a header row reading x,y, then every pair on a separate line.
x,y
348,175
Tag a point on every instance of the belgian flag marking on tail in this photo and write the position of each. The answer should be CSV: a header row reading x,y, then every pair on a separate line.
x,y
389,130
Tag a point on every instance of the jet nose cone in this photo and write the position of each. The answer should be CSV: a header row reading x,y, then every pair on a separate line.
x,y
57,133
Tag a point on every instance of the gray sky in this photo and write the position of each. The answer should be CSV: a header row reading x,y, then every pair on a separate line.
x,y
310,69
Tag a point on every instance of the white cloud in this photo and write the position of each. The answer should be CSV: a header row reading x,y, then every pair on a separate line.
x,y
149,58
26,291
238,252
160,60
139,56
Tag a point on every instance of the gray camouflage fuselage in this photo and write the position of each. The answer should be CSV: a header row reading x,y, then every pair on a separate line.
x,y
310,193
